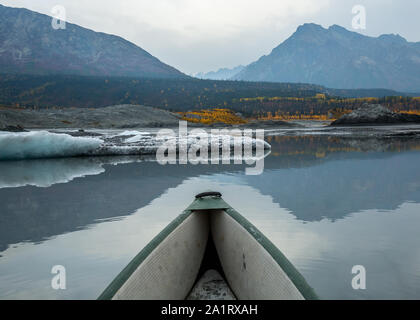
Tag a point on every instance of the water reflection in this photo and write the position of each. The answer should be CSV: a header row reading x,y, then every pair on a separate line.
x,y
46,173
35,214
330,177
328,202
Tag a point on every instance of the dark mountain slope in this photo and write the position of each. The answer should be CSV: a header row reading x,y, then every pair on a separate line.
x,y
30,45
338,58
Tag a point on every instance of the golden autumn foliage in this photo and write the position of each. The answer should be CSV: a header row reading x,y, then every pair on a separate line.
x,y
290,117
321,96
261,99
212,116
417,112
331,116
227,116
319,107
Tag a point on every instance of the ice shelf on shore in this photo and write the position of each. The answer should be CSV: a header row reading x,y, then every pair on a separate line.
x,y
44,144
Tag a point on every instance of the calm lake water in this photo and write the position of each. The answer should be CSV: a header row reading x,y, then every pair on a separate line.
x,y
328,202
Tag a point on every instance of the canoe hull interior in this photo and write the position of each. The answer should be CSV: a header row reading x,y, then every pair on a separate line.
x,y
171,264
251,271
169,272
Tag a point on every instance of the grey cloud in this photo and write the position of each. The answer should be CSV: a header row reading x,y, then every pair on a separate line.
x,y
204,35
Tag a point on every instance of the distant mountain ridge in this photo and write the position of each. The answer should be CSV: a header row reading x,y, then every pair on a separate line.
x,y
221,74
339,58
29,45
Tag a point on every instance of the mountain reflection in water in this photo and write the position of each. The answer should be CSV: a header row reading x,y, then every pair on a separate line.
x,y
313,178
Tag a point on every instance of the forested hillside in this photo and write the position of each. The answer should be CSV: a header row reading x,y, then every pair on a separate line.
x,y
252,99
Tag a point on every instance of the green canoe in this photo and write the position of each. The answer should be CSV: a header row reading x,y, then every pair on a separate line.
x,y
209,252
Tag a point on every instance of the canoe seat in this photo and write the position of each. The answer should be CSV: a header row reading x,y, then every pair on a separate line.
x,y
211,286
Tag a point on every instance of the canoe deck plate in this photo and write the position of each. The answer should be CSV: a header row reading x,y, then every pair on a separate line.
x,y
210,203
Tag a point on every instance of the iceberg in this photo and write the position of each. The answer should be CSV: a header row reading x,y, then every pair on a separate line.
x,y
135,139
44,144
132,133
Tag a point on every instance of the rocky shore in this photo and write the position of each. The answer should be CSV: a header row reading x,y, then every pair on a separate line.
x,y
113,117
375,114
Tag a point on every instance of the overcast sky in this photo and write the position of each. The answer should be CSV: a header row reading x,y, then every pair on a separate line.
x,y
204,35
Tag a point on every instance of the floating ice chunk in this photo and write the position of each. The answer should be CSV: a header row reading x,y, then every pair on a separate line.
x,y
135,139
43,144
132,133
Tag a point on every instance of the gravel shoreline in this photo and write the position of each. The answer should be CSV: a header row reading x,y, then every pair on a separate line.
x,y
112,117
